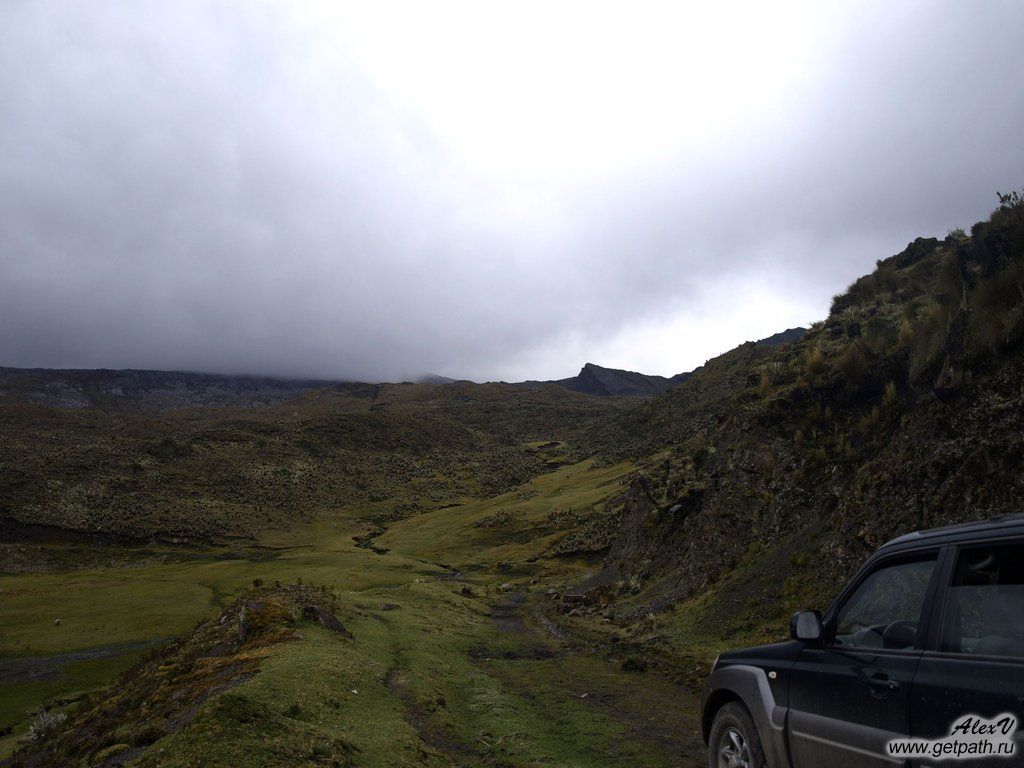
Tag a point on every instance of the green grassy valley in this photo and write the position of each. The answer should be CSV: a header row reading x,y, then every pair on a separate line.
x,y
465,623
458,574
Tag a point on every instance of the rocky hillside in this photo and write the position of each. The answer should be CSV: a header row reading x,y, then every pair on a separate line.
x,y
612,382
193,474
144,390
609,382
151,391
902,410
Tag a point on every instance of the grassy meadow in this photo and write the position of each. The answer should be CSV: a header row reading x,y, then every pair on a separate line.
x,y
439,672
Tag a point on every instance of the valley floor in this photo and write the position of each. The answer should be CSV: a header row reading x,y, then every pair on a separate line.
x,y
456,656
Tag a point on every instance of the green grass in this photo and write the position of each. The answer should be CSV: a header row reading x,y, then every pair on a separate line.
x,y
451,536
105,607
19,700
356,701
97,608
109,606
350,701
408,691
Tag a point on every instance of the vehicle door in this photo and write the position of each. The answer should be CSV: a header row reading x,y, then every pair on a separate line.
x,y
976,666
850,695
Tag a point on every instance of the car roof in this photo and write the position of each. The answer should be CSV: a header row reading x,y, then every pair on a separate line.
x,y
1004,525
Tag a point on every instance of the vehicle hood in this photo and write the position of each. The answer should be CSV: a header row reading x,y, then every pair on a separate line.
x,y
774,653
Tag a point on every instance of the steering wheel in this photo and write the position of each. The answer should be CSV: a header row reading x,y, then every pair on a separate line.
x,y
900,634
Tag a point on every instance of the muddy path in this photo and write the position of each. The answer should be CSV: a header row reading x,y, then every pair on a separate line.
x,y
657,713
455,751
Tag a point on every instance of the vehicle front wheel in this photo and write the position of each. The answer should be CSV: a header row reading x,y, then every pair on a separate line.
x,y
734,742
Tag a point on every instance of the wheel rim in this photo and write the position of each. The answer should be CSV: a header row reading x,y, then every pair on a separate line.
x,y
733,751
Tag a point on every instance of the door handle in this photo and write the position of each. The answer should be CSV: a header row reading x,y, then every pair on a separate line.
x,y
882,680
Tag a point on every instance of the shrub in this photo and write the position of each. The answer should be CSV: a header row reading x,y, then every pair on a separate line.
x,y
892,395
869,421
996,316
949,382
931,335
880,334
815,363
815,417
775,372
1011,201
953,279
906,333
854,362
46,724
886,277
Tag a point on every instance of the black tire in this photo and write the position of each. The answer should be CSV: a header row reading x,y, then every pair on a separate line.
x,y
733,731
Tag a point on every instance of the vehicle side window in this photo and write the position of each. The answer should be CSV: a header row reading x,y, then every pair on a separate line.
x,y
885,609
984,612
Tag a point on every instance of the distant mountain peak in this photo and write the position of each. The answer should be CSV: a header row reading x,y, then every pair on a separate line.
x,y
434,378
594,379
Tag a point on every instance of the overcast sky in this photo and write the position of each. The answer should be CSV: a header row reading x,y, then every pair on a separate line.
x,y
375,190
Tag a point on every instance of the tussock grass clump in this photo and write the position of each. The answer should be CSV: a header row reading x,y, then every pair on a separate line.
x,y
929,341
891,396
46,724
870,421
997,310
854,363
815,364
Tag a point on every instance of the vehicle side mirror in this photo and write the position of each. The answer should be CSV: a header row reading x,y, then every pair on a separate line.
x,y
806,626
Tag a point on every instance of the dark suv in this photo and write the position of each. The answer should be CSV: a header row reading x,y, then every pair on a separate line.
x,y
929,631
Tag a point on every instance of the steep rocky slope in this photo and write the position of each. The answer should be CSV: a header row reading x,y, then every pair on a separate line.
x,y
609,382
902,410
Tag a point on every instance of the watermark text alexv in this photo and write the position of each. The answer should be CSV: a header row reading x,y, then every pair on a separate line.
x,y
970,737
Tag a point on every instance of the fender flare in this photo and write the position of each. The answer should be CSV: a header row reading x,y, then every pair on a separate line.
x,y
750,686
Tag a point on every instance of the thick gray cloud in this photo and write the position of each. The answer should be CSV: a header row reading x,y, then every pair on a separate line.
x,y
246,188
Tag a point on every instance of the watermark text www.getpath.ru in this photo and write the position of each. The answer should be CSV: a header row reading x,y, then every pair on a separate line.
x,y
970,737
